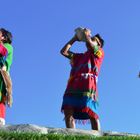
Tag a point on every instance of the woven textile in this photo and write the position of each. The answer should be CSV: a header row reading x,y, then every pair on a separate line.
x,y
81,93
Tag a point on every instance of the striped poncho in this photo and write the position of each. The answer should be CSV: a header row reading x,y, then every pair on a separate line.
x,y
81,93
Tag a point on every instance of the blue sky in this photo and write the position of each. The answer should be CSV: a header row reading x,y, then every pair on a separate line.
x,y
39,73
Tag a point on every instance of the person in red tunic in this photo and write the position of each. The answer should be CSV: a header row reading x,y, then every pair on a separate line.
x,y
80,100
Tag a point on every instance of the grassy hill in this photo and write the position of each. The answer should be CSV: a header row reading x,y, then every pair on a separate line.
x,y
35,132
35,136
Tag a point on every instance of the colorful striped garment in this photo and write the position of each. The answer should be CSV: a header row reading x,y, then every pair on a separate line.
x,y
3,54
81,93
5,59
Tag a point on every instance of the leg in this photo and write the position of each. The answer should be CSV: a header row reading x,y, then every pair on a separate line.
x,y
2,114
95,124
69,120
2,121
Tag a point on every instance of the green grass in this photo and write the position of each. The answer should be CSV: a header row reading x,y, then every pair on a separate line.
x,y
34,136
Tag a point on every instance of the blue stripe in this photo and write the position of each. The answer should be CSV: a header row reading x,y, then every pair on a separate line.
x,y
81,102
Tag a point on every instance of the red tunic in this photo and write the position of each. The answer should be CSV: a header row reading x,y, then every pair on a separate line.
x,y
81,92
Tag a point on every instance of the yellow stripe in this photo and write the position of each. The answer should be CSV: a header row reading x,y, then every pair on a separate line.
x,y
98,53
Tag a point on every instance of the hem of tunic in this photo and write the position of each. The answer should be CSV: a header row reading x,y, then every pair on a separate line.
x,y
80,120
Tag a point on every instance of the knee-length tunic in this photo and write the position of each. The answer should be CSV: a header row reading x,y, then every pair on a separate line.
x,y
81,93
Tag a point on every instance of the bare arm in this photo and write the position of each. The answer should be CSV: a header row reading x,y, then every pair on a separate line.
x,y
93,44
65,51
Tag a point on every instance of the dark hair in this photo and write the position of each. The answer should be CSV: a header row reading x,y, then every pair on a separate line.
x,y
7,36
101,40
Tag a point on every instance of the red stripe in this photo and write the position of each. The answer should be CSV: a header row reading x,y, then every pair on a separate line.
x,y
3,50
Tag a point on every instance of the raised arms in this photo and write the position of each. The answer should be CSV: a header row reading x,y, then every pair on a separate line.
x,y
65,51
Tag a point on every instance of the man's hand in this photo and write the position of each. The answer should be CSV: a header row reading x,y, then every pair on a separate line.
x,y
75,38
9,100
87,33
4,68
